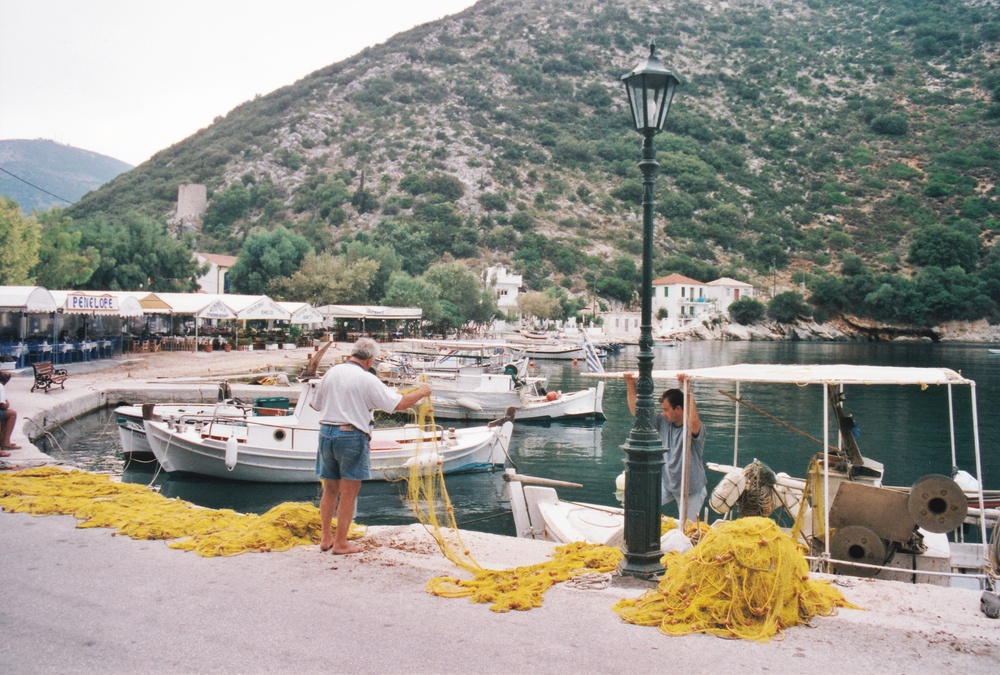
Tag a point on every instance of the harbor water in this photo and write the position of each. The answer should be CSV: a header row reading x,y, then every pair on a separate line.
x,y
904,428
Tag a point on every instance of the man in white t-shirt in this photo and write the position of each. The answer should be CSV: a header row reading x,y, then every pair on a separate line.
x,y
347,397
8,418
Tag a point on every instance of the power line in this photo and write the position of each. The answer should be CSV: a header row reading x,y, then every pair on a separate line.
x,y
34,186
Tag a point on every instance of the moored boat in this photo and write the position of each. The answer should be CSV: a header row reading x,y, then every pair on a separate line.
x,y
849,521
132,433
283,449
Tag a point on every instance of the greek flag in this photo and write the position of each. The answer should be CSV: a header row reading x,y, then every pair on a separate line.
x,y
594,364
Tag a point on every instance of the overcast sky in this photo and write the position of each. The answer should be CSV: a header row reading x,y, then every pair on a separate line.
x,y
127,78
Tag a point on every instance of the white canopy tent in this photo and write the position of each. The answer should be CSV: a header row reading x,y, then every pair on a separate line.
x,y
16,302
302,313
247,307
365,313
28,299
370,312
96,302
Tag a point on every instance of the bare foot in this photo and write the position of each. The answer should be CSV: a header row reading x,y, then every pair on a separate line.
x,y
348,549
325,546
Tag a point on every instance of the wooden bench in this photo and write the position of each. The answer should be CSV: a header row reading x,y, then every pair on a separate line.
x,y
46,376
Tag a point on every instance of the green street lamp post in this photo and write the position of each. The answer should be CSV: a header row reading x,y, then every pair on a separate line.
x,y
650,91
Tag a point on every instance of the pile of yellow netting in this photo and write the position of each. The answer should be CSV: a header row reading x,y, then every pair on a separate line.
x,y
745,579
520,588
140,513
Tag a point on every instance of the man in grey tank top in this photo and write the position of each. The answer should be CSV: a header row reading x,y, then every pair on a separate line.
x,y
670,425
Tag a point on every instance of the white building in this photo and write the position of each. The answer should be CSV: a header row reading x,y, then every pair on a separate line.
x,y
214,281
621,325
506,286
679,300
726,291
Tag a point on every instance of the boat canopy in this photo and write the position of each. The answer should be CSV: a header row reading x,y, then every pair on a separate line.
x,y
809,374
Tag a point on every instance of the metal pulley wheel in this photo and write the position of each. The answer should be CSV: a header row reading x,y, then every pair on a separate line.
x,y
937,504
856,543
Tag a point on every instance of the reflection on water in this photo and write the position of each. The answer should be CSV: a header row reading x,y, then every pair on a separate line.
x,y
904,428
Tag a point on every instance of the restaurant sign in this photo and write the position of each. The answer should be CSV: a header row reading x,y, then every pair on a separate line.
x,y
216,310
91,303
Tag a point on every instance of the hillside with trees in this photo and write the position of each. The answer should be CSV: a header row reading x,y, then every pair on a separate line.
x,y
850,145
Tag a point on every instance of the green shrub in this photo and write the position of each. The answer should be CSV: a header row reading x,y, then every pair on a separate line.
x,y
747,311
890,125
786,307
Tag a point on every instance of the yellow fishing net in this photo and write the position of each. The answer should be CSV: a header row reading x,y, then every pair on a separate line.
x,y
520,588
140,513
745,579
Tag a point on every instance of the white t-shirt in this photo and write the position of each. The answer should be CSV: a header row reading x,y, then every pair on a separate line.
x,y
349,394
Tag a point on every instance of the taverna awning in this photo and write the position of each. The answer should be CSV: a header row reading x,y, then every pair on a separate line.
x,y
247,307
30,299
301,312
371,312
96,302
187,304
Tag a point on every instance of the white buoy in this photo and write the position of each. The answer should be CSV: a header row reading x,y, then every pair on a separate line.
x,y
728,490
966,481
620,482
232,452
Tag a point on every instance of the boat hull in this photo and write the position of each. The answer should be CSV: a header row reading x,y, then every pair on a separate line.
x,y
274,453
587,404
132,434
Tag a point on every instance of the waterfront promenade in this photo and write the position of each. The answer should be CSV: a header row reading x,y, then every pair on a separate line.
x,y
87,601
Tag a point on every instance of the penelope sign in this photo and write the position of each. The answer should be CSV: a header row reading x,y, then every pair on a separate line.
x,y
92,303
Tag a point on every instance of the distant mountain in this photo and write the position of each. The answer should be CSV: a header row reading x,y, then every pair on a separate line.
x,y
52,174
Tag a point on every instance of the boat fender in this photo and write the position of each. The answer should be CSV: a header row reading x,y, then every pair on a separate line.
x,y
728,491
552,396
232,452
966,481
423,462
468,403
620,482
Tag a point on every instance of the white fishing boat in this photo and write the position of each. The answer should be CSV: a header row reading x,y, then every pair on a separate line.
x,y
441,356
479,393
132,433
283,449
493,396
540,514
850,522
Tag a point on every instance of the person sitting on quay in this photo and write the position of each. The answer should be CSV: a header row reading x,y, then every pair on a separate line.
x,y
8,418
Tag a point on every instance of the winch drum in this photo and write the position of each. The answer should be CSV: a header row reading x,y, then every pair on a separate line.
x,y
937,504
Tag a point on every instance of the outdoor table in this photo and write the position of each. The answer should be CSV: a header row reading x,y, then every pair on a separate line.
x,y
65,352
41,352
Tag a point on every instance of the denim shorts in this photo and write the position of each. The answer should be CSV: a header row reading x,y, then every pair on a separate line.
x,y
342,454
